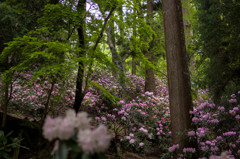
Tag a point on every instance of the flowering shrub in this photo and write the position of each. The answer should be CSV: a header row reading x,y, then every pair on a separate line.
x,y
140,121
74,132
32,96
218,129
141,111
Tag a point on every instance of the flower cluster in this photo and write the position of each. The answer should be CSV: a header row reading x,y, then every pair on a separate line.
x,y
173,148
91,141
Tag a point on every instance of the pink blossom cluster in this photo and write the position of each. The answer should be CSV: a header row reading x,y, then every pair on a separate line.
x,y
173,148
189,150
222,156
218,127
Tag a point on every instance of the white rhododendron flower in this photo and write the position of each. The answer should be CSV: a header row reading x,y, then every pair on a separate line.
x,y
61,128
82,121
65,129
102,138
49,128
91,141
86,140
97,140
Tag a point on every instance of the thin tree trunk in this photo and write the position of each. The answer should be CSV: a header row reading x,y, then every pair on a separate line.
x,y
149,72
46,108
116,59
81,93
178,73
6,82
5,104
134,68
81,40
188,35
120,43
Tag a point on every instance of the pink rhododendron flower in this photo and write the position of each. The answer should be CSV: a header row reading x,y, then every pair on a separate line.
x,y
141,144
132,141
230,133
232,101
173,148
191,133
189,149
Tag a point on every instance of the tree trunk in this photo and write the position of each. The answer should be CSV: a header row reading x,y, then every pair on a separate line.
x,y
5,104
134,63
149,72
188,35
149,76
81,40
116,59
178,73
120,43
46,108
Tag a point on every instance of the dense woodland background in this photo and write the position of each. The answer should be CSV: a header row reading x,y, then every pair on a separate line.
x,y
162,75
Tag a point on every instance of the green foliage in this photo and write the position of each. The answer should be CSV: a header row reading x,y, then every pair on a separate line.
x,y
219,29
36,52
59,18
106,94
10,23
7,144
62,151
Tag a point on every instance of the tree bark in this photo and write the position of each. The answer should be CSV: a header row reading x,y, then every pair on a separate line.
x,y
116,59
79,95
81,92
188,34
134,68
5,104
46,108
121,38
178,73
149,72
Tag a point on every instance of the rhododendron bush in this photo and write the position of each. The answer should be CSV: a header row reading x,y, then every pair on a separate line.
x,y
136,122
217,129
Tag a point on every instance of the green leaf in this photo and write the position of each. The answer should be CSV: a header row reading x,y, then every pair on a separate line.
x,y
4,155
62,151
74,146
4,141
85,156
101,156
1,135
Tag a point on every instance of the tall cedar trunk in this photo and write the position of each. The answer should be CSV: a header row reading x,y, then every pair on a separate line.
x,y
178,73
149,74
81,40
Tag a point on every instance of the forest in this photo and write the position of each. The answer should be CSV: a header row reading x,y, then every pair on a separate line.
x,y
119,79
